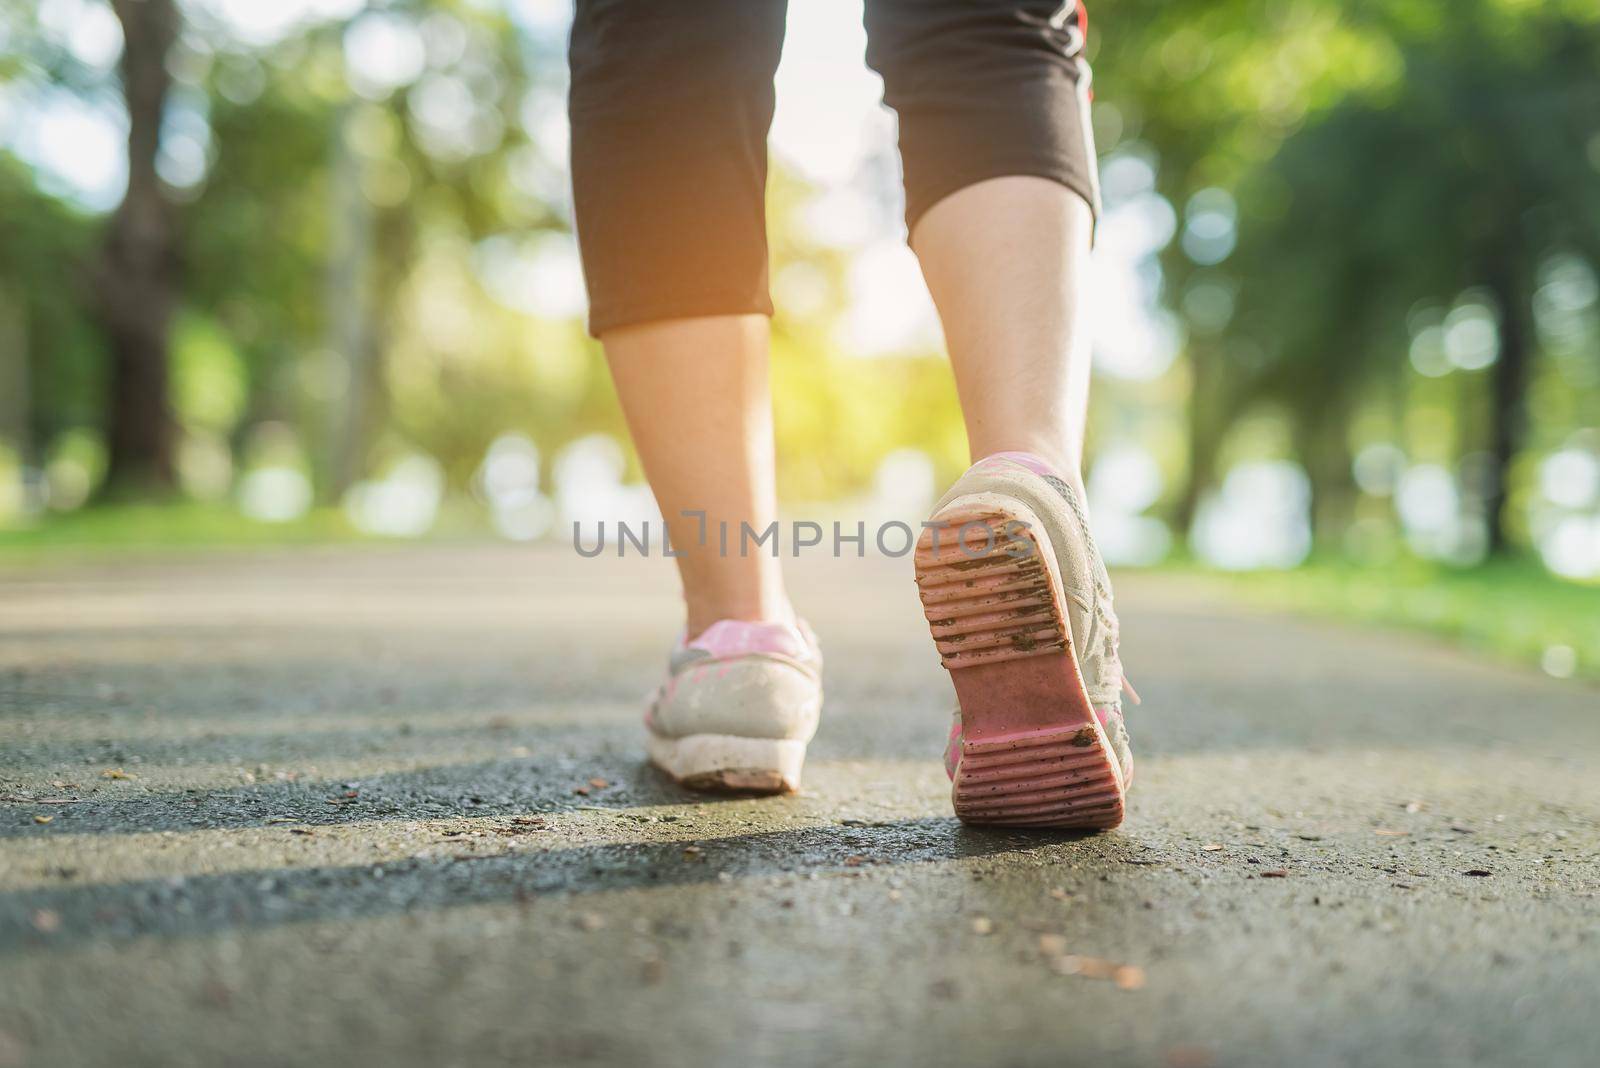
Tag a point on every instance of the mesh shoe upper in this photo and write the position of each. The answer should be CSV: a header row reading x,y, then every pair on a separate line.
x,y
746,679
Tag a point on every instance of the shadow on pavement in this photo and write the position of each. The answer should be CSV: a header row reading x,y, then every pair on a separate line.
x,y
483,788
202,905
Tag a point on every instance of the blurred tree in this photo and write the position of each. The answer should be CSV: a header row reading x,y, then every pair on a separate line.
x,y
138,277
49,341
351,158
374,250
1212,92
350,348
1466,181
256,234
54,337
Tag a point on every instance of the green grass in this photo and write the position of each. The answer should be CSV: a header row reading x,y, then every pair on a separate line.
x,y
1512,609
145,527
114,529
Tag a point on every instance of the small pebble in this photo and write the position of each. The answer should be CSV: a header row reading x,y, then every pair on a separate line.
x,y
1128,977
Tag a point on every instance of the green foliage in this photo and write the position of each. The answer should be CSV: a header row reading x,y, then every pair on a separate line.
x,y
44,263
209,383
1453,170
340,306
1512,609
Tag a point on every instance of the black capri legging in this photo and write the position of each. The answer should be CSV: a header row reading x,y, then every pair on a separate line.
x,y
671,100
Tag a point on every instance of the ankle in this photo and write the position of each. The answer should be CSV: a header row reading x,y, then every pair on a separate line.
x,y
701,612
1066,464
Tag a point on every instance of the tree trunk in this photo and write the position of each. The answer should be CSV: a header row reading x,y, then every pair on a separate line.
x,y
1508,392
1322,444
137,279
349,346
1205,436
16,396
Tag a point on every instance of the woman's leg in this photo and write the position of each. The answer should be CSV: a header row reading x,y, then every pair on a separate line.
x,y
1006,260
695,395
1000,187
743,692
671,100
670,107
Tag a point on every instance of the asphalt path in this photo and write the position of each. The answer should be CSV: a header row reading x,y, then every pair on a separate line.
x,y
388,806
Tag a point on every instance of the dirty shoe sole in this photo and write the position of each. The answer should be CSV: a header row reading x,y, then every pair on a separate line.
x,y
1033,752
725,762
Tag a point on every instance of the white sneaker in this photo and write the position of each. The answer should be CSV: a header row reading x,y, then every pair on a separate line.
x,y
1020,608
738,706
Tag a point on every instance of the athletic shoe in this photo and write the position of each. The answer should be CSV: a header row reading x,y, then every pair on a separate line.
x,y
1020,608
738,706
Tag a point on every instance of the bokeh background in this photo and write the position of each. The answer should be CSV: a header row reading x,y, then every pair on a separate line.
x,y
304,270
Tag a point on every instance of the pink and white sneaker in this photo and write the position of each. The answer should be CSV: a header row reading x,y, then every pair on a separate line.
x,y
1019,604
738,706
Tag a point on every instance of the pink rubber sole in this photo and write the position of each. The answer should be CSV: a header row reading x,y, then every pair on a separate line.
x,y
1033,753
